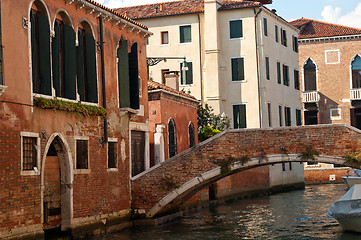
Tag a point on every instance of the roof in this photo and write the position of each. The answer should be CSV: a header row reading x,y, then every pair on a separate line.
x,y
310,28
182,7
117,13
158,86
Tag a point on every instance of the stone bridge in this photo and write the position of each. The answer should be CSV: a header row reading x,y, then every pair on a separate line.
x,y
165,187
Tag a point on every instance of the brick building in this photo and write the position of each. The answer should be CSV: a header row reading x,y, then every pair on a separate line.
x,y
330,65
73,94
172,121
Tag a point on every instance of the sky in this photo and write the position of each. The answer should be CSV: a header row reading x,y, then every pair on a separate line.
x,y
344,12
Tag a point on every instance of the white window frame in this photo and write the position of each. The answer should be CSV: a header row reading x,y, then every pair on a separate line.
x,y
229,29
180,74
34,172
338,56
242,103
113,140
76,170
185,43
339,117
244,70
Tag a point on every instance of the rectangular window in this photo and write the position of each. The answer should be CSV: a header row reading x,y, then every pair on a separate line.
x,y
279,73
283,167
185,33
147,41
286,75
269,115
298,117
29,153
297,79
283,37
237,69
280,115
295,43
112,154
265,27
335,113
267,69
186,78
239,116
164,37
235,29
276,33
81,154
287,116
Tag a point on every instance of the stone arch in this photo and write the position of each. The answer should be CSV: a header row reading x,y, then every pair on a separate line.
x,y
172,138
67,177
351,70
63,13
303,72
174,199
191,134
87,26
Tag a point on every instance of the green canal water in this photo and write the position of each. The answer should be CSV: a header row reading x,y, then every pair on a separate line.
x,y
293,215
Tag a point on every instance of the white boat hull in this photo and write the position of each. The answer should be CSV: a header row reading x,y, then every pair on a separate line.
x,y
352,224
351,180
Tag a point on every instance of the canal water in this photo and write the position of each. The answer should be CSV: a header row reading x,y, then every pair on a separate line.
x,y
298,214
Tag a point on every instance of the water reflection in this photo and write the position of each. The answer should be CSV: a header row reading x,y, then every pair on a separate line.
x,y
294,215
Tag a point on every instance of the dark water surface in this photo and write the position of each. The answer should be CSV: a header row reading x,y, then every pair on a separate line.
x,y
293,215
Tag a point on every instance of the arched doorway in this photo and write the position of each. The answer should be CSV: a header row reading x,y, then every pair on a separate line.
x,y
57,184
172,138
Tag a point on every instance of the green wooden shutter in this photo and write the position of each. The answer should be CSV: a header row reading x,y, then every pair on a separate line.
x,y
239,116
235,29
279,72
243,116
133,77
33,50
91,73
234,70
189,79
56,59
44,55
185,34
69,63
80,66
123,75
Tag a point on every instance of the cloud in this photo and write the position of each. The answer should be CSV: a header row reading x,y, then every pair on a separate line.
x,y
351,19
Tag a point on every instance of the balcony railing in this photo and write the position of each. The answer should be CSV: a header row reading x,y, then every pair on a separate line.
x,y
310,97
355,94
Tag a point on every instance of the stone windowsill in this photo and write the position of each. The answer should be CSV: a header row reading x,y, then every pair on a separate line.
x,y
131,111
2,89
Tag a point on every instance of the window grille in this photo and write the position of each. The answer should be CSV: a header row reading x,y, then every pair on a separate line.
x,y
29,153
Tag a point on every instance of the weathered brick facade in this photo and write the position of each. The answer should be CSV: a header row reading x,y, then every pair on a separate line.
x,y
92,195
194,169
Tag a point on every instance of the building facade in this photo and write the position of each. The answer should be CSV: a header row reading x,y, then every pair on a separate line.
x,y
172,121
73,95
329,73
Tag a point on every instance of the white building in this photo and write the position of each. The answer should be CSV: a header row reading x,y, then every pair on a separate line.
x,y
242,58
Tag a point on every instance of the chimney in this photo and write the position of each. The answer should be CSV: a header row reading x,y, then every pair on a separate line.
x,y
126,14
274,11
156,9
161,7
172,80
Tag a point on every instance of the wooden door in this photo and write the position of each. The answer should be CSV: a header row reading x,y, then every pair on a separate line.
x,y
138,150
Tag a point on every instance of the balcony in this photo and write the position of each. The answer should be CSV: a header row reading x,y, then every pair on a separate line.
x,y
355,94
310,97
2,89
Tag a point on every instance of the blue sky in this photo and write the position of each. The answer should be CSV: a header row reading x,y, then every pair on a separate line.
x,y
345,12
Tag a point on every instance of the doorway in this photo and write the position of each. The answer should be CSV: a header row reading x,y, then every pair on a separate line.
x,y
138,152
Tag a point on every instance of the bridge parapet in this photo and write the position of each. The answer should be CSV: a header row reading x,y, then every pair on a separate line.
x,y
165,187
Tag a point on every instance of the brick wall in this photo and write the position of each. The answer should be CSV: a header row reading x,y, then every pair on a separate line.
x,y
323,175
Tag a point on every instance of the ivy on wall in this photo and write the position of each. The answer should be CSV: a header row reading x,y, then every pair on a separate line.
x,y
56,104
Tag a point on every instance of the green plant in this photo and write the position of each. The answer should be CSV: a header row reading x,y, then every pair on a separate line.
x,y
263,156
56,104
353,157
167,184
308,154
227,163
284,150
207,132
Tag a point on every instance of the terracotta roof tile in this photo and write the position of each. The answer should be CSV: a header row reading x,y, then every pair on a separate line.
x,y
155,85
310,28
182,7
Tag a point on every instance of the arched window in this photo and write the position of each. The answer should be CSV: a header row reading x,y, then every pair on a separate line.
x,y
64,58
191,135
356,72
40,49
123,74
86,65
172,138
133,77
310,75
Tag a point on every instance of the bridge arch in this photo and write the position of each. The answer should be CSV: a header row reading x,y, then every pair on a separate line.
x,y
195,168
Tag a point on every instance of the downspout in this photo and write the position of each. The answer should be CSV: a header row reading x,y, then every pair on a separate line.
x,y
258,68
200,56
105,140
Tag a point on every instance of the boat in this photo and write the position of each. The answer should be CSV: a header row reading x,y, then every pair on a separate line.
x,y
353,176
347,210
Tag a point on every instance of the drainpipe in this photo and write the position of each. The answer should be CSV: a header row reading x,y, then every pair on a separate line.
x,y
258,67
200,57
105,140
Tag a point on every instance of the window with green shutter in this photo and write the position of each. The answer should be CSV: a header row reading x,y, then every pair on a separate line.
x,y
185,33
133,77
276,33
235,29
40,50
237,69
287,116
187,78
279,73
239,116
123,74
69,63
286,76
265,30
297,79
267,69
298,117
280,114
